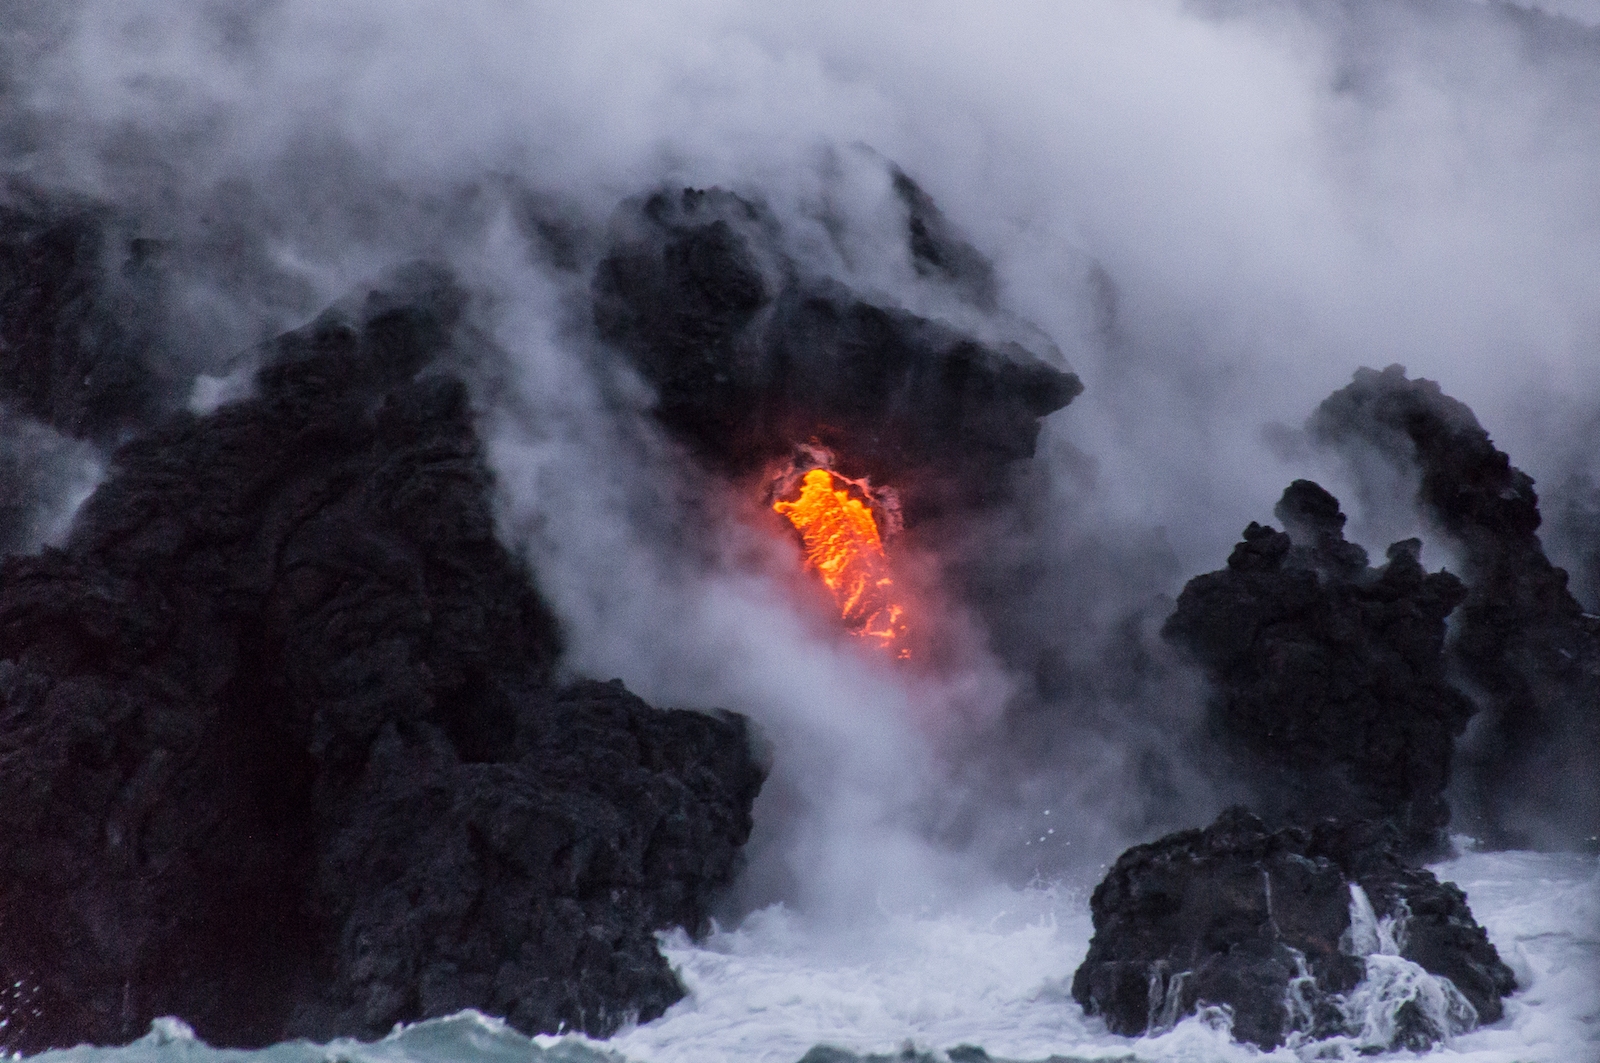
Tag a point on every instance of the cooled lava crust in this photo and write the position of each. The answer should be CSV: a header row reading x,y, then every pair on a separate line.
x,y
280,751
1328,687
750,355
1226,915
1529,654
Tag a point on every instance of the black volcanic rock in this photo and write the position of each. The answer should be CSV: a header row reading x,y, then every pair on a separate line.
x,y
279,749
77,315
749,358
1261,921
1328,679
79,301
937,250
1529,655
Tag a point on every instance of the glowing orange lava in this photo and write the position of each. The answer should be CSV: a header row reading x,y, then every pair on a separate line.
x,y
842,544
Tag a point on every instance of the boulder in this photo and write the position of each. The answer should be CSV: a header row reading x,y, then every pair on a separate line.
x,y
1298,934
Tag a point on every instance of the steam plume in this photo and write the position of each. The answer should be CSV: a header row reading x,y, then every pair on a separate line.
x,y
1210,212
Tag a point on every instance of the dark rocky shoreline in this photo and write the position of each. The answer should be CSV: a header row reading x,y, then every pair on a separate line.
x,y
1342,700
281,751
280,740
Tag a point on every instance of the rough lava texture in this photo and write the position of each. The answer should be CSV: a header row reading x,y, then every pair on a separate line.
x,y
1328,685
1521,643
79,303
750,356
78,313
280,752
1260,921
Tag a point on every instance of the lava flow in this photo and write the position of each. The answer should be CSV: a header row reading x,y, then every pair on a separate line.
x,y
842,543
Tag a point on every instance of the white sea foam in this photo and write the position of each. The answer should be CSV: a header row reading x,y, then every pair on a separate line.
x,y
1375,1010
771,988
993,973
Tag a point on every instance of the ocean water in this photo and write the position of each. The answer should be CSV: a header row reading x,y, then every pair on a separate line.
x,y
992,972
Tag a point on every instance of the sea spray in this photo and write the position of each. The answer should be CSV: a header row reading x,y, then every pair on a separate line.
x,y
1398,1004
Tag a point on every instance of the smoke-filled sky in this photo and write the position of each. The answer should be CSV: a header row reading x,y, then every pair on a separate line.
x,y
1275,192
1213,212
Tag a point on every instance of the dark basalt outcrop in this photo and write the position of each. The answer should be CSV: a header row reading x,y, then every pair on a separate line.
x,y
1329,691
749,356
1260,921
280,753
1527,652
78,306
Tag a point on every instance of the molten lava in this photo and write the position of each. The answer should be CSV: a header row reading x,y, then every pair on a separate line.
x,y
842,543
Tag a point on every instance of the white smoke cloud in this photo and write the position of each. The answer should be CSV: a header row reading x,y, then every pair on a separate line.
x,y
1214,211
